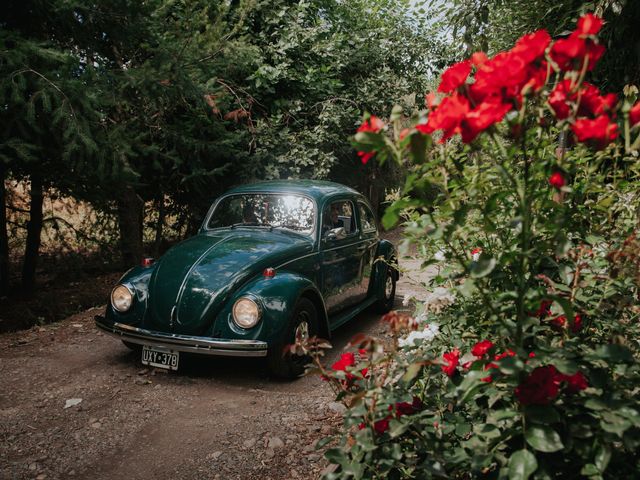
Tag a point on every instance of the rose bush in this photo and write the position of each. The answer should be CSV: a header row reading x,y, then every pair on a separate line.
x,y
524,179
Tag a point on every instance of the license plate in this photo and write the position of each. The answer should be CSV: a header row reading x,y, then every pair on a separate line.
x,y
159,357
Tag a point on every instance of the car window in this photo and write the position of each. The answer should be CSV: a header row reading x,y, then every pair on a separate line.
x,y
367,219
339,215
293,212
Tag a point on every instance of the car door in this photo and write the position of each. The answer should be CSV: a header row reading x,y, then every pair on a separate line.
x,y
369,238
339,255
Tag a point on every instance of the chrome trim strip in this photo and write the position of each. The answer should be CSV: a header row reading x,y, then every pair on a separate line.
x,y
295,260
184,343
345,246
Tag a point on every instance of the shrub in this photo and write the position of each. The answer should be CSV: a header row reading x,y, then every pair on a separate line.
x,y
532,371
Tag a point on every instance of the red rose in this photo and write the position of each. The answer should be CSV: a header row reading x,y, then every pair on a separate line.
x,y
559,321
373,124
540,387
451,360
558,100
544,309
447,117
592,104
634,114
556,180
576,326
598,132
454,76
570,53
366,156
589,24
575,382
406,408
381,426
482,117
482,348
532,46
346,360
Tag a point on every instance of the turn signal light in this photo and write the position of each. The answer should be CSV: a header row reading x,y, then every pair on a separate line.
x,y
269,272
147,261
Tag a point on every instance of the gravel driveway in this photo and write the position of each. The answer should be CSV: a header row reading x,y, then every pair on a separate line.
x,y
76,403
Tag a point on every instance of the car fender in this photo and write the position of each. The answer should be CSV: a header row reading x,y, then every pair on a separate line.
x,y
137,280
277,297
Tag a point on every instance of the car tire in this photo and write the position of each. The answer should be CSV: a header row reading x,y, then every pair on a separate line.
x,y
387,294
303,322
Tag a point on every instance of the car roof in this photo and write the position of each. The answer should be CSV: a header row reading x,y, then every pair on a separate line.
x,y
318,189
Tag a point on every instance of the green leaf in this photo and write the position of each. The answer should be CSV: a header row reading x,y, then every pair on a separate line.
x,y
482,267
396,113
602,457
544,414
521,465
615,353
565,366
511,365
589,470
412,372
543,438
614,424
397,428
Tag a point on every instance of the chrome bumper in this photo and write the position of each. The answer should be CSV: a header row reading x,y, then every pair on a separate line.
x,y
183,343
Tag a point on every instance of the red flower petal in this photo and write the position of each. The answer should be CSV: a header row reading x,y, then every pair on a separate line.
x,y
634,114
589,24
532,46
598,132
366,156
556,180
452,360
373,124
482,348
454,76
540,387
575,382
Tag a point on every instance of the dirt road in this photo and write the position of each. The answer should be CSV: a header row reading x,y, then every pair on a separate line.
x,y
76,403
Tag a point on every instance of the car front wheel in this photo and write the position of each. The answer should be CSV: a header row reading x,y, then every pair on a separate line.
x,y
388,294
302,326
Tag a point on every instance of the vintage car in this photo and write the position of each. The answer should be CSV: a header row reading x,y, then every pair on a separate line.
x,y
273,262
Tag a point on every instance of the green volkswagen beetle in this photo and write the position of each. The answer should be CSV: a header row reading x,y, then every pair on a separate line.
x,y
273,263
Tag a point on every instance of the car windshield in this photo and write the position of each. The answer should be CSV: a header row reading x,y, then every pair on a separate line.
x,y
264,210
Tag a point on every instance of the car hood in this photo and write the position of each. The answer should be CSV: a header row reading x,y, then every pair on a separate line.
x,y
194,279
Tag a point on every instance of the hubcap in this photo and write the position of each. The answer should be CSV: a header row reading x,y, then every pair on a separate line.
x,y
302,332
388,287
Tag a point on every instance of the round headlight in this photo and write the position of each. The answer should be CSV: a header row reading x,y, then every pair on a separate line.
x,y
121,298
246,313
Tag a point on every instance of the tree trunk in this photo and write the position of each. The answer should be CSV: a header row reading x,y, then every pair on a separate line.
x,y
34,229
4,237
130,217
159,226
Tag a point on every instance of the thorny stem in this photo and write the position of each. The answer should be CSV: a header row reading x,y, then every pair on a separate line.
x,y
524,259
